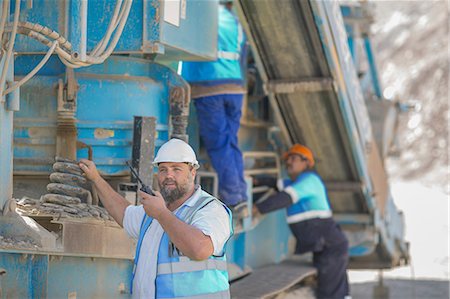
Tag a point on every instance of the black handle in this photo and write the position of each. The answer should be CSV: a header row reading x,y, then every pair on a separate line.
x,y
147,189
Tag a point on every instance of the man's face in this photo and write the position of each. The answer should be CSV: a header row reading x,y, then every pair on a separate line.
x,y
296,164
175,180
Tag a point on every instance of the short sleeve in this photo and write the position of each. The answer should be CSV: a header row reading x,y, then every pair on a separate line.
x,y
132,220
214,221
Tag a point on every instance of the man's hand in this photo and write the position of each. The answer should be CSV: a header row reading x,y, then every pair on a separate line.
x,y
154,206
90,170
255,211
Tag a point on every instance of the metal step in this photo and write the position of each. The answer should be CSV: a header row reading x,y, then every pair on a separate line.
x,y
271,280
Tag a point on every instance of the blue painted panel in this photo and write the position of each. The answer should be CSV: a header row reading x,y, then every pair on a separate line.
x,y
236,250
197,32
49,13
109,96
144,31
26,275
35,125
44,276
99,16
266,244
89,277
6,143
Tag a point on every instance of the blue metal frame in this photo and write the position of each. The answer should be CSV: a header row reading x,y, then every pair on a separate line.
x,y
146,31
45,275
6,140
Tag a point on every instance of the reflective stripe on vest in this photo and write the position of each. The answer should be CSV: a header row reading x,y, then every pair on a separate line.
x,y
189,265
308,215
145,224
228,55
234,55
219,295
180,276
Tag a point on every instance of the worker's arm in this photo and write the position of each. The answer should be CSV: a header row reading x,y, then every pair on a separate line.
x,y
274,202
114,203
191,241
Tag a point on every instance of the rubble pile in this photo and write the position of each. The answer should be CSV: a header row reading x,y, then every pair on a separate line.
x,y
60,208
70,195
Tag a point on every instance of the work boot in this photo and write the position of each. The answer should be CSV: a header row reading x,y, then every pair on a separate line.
x,y
240,210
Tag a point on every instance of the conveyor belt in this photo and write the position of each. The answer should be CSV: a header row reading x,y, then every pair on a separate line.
x,y
303,58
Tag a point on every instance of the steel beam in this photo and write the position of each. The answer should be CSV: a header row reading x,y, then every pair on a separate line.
x,y
144,136
299,85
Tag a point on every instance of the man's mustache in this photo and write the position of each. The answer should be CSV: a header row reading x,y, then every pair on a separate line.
x,y
169,181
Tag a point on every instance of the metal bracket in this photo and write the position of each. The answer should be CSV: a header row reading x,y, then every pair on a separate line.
x,y
71,87
12,99
299,85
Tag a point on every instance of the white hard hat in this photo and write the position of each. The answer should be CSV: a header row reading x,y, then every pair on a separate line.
x,y
176,150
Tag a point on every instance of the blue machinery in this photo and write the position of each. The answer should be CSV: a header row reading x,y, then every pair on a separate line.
x,y
308,88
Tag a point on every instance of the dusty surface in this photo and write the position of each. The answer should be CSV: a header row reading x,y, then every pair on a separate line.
x,y
39,207
17,243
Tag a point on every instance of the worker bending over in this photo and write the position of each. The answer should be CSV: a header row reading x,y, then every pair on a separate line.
x,y
181,231
310,219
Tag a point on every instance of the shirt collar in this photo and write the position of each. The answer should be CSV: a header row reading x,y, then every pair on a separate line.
x,y
191,201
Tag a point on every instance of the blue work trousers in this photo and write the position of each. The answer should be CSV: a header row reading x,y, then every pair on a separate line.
x,y
219,118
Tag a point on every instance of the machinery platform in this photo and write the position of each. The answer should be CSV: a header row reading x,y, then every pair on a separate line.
x,y
268,281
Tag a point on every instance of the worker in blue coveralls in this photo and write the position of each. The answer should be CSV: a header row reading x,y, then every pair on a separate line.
x,y
310,219
217,88
181,231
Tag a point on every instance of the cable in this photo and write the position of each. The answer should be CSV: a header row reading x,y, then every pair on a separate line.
x,y
10,47
111,27
34,71
63,47
26,27
111,47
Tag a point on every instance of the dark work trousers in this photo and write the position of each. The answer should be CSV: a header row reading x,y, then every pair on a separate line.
x,y
324,238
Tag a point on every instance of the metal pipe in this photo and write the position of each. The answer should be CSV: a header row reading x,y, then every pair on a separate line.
x,y
83,38
10,49
78,29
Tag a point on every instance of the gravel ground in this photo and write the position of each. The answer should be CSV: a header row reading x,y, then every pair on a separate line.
x,y
402,289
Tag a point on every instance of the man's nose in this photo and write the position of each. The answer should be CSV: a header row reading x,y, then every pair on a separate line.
x,y
170,173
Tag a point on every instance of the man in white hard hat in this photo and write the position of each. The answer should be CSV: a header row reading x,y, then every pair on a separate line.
x,y
181,231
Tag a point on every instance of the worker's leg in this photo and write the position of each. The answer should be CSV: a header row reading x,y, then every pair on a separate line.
x,y
217,138
331,264
233,110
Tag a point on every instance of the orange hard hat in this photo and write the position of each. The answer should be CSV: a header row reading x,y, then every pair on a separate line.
x,y
298,149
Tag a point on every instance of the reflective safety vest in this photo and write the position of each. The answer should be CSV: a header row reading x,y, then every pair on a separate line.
x,y
309,196
227,67
177,275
